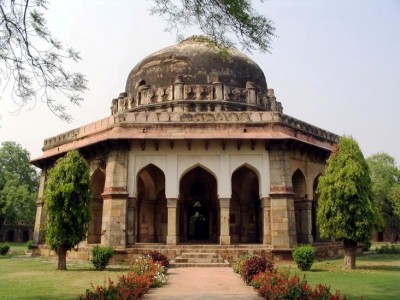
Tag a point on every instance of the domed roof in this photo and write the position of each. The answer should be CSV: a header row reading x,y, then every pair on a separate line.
x,y
197,63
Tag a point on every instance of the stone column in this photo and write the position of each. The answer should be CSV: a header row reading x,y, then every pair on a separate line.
x,y
283,227
131,221
114,217
306,216
172,204
40,218
225,238
115,195
266,215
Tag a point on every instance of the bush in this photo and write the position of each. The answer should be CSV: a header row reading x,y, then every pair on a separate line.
x,y
29,245
101,257
160,258
129,287
304,257
238,264
388,249
280,285
144,265
253,266
4,249
366,245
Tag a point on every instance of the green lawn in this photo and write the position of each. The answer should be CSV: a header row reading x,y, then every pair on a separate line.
x,y
24,277
377,276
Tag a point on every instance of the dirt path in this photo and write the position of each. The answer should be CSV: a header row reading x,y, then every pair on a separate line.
x,y
203,283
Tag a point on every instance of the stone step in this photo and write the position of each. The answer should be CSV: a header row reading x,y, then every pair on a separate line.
x,y
173,264
199,255
198,260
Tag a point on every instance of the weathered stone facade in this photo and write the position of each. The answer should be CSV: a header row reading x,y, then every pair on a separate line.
x,y
197,151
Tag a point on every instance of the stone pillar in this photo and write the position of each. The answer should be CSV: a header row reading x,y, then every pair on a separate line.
x,y
225,238
266,215
172,204
40,218
306,216
218,93
283,227
251,92
114,225
131,221
115,195
178,88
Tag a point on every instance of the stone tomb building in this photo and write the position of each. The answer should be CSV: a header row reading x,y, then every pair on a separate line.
x,y
196,151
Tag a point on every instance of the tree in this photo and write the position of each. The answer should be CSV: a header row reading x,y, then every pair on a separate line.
x,y
34,60
345,207
67,200
219,18
18,185
385,177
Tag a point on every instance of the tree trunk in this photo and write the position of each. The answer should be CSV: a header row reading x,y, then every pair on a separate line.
x,y
61,258
350,250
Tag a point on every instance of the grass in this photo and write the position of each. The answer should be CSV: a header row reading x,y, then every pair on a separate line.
x,y
24,277
377,276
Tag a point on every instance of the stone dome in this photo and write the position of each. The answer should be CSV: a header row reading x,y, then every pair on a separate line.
x,y
198,63
194,76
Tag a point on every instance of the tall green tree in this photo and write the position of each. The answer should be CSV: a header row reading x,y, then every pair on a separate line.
x,y
67,200
346,209
385,177
18,185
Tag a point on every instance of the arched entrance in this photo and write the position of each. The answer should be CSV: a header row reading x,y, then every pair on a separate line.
x,y
300,206
315,228
151,206
245,213
98,181
198,211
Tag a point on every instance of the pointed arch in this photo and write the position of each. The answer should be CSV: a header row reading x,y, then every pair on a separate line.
x,y
198,207
198,166
151,205
299,184
98,180
245,207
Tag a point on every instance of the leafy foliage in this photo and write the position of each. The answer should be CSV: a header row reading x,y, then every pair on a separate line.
x,y
388,249
238,264
101,257
18,185
4,248
33,59
217,19
67,199
304,257
346,210
253,266
159,258
278,284
385,177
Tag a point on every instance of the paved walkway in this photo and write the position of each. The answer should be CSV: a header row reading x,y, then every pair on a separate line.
x,y
203,283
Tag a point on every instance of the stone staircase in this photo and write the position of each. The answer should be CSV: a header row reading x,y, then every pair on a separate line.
x,y
198,259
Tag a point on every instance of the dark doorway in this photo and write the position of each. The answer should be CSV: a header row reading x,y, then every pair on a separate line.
x,y
198,221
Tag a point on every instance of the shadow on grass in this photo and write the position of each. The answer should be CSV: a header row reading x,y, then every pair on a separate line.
x,y
89,269
318,270
380,268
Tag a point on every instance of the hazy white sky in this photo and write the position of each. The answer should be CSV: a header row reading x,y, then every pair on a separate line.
x,y
335,64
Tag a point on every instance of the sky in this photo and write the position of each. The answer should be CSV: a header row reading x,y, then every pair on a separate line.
x,y
334,64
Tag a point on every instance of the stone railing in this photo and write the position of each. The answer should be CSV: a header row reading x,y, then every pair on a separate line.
x,y
149,97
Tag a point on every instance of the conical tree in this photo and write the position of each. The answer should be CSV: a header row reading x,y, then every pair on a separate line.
x,y
67,200
346,210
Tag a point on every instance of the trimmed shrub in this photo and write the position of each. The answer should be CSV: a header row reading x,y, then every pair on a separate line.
x,y
160,258
304,257
4,249
253,266
238,264
101,257
279,284
366,245
29,245
388,249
